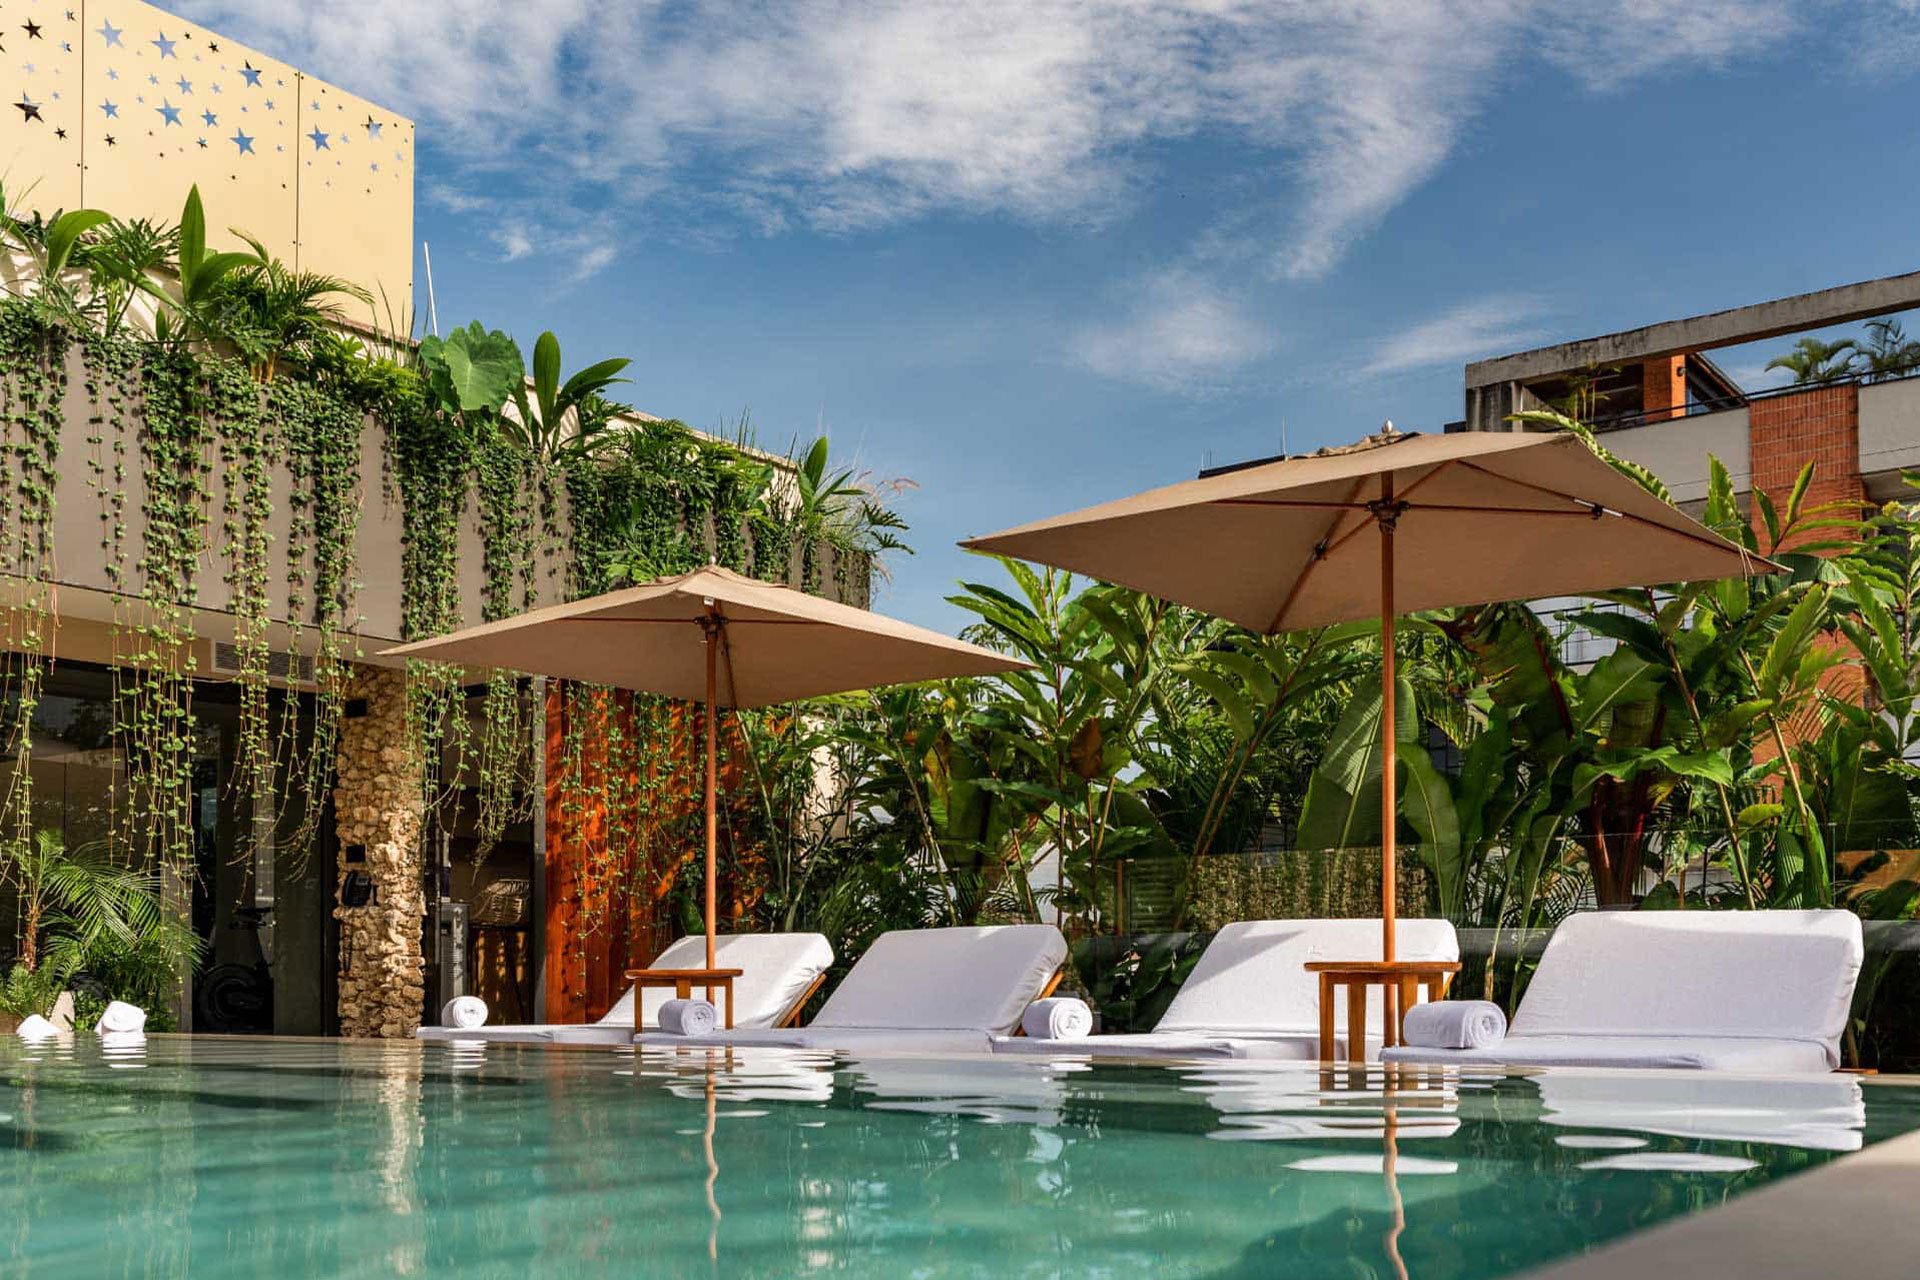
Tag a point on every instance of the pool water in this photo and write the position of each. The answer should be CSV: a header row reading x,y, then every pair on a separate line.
x,y
216,1157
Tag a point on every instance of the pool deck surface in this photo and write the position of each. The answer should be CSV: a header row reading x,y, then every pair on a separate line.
x,y
1858,1218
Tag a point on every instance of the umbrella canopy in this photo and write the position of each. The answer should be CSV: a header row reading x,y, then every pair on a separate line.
x,y
1398,521
777,644
1481,516
714,636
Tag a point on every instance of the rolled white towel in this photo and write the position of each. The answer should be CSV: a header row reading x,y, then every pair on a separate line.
x,y
688,1017
119,1016
1058,1018
35,1027
1455,1024
464,1012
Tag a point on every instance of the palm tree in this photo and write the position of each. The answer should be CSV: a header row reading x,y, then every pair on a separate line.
x,y
74,902
1887,351
1813,362
270,311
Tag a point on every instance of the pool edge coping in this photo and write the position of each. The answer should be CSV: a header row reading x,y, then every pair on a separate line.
x,y
1841,1219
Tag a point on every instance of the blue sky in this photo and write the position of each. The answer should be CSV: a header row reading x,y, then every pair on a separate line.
x,y
1035,255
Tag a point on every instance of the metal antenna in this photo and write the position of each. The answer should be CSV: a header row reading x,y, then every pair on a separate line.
x,y
1284,451
433,313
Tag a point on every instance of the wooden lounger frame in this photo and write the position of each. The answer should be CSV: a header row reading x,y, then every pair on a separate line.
x,y
792,1016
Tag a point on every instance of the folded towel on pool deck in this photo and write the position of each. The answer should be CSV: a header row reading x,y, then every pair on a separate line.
x,y
1057,1018
464,1012
1455,1024
688,1017
35,1027
121,1017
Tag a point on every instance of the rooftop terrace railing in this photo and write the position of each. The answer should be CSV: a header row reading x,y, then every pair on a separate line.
x,y
1696,409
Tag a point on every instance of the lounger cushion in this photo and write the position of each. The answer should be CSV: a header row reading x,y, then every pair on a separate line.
x,y
1703,1053
978,979
1739,975
1252,977
778,969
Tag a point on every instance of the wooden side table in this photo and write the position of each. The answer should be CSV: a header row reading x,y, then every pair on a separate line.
x,y
683,981
1400,982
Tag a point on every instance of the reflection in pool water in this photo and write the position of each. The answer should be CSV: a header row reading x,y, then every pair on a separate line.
x,y
213,1157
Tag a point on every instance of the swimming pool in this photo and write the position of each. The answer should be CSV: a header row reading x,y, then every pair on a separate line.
x,y
215,1156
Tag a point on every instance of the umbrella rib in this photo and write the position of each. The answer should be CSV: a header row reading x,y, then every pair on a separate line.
x,y
1595,508
726,656
1350,534
1319,553
732,622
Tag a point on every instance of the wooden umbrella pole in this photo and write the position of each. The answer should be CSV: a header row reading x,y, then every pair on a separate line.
x,y
1388,810
712,627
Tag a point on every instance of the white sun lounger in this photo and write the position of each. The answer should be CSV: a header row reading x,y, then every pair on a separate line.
x,y
920,991
1765,992
1250,995
778,972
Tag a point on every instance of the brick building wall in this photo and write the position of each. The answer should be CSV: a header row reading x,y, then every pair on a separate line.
x,y
1821,425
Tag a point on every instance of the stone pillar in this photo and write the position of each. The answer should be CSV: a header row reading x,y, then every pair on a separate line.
x,y
378,807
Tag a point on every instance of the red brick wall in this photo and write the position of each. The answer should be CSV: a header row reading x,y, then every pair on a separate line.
x,y
1784,433
1821,425
1663,388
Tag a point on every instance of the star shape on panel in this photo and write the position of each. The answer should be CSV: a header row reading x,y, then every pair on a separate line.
x,y
165,46
373,127
375,166
33,31
212,47
269,105
168,112
109,139
209,117
319,140
186,85
251,74
112,74
66,46
216,88
70,16
59,133
203,144
316,104
111,34
112,109
243,142
28,108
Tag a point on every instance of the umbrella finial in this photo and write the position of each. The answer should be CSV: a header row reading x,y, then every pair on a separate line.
x,y
1387,428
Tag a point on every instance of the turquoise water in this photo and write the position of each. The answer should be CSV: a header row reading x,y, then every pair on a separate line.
x,y
216,1157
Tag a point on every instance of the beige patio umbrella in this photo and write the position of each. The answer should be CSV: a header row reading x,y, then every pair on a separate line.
x,y
1398,522
714,636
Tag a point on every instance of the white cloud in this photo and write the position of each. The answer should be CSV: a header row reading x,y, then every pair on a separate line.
x,y
1176,331
1472,330
514,241
831,115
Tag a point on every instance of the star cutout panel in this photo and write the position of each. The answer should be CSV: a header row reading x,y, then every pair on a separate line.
x,y
356,158
117,105
45,108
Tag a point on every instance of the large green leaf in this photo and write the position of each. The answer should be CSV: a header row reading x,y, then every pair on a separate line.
x,y
473,370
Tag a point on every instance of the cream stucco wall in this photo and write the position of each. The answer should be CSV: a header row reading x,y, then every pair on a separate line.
x,y
124,107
